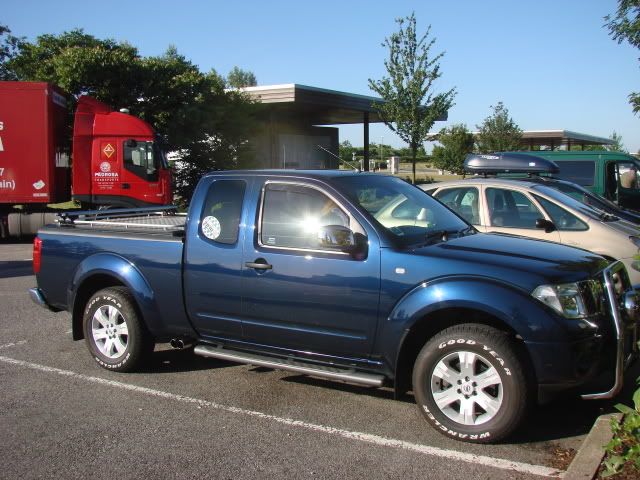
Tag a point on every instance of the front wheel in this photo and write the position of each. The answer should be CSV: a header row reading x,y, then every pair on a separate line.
x,y
114,332
469,384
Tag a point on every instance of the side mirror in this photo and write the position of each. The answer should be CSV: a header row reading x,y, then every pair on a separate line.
x,y
546,224
340,238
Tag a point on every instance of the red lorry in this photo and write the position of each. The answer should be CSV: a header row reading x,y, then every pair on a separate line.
x,y
116,160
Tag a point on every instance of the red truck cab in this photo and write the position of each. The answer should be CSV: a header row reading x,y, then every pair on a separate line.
x,y
117,160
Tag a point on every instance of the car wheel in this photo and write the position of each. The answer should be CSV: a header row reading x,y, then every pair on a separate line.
x,y
114,332
469,384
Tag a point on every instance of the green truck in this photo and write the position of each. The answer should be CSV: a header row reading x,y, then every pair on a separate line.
x,y
614,175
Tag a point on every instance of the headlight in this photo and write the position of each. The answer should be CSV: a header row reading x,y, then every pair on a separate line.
x,y
565,299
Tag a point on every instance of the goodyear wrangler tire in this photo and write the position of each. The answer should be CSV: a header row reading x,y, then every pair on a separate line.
x,y
469,384
114,331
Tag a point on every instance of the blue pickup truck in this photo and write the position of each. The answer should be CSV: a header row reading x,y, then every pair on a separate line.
x,y
349,276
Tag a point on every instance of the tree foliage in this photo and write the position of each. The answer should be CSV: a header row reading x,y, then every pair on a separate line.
x,y
190,110
9,48
457,141
617,145
410,106
498,132
625,25
239,78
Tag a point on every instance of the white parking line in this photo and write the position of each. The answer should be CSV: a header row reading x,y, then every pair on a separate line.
x,y
12,344
499,463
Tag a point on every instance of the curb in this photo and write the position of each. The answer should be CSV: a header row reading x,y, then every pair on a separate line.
x,y
590,454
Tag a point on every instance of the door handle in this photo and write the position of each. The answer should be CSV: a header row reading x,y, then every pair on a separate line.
x,y
258,266
126,186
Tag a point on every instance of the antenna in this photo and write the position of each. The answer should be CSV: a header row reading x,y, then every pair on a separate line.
x,y
355,169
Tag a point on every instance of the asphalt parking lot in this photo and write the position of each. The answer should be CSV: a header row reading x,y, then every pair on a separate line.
x,y
185,416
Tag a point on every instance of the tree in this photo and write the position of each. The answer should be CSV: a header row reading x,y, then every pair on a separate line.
x,y
410,106
345,152
617,145
456,142
9,47
625,25
190,110
498,132
239,78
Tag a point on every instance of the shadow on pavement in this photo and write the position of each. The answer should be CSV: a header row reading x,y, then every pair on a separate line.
x,y
184,360
16,268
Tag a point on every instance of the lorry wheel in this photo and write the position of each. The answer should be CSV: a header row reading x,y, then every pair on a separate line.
x,y
469,384
114,331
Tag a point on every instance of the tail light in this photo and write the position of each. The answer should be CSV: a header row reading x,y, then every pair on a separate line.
x,y
37,254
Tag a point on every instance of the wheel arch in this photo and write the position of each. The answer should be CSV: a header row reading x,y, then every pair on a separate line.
x,y
436,321
108,270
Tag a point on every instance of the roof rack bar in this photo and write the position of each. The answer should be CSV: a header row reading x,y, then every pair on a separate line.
x,y
69,216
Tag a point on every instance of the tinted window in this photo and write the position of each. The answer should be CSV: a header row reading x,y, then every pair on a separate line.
x,y
139,159
562,219
292,214
581,172
510,208
463,201
220,218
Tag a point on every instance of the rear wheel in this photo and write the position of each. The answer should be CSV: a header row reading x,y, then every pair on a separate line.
x,y
469,384
114,332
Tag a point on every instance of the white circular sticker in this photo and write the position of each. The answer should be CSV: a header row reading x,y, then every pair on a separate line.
x,y
211,227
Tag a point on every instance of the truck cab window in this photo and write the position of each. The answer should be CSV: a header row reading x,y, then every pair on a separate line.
x,y
582,172
628,175
292,215
220,217
139,159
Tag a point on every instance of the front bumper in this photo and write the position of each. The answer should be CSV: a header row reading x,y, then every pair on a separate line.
x,y
625,327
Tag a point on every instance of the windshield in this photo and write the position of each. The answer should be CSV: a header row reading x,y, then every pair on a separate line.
x,y
568,201
409,215
585,196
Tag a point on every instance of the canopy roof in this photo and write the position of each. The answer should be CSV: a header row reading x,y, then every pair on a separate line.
x,y
318,106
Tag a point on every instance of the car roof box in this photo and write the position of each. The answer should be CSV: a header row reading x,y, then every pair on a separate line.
x,y
508,163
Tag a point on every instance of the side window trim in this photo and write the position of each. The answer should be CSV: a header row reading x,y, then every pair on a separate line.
x,y
353,223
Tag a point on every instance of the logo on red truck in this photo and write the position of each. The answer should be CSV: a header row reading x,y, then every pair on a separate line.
x,y
108,150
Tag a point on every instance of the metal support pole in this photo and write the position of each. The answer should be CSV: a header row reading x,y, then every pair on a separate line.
x,y
365,167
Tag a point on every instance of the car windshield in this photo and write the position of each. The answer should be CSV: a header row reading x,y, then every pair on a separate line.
x,y
584,196
568,201
406,213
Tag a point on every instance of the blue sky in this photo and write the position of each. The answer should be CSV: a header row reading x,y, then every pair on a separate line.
x,y
551,62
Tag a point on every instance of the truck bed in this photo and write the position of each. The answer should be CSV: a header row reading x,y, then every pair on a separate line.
x,y
144,240
153,219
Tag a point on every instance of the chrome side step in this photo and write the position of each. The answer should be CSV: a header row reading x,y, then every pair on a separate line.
x,y
290,365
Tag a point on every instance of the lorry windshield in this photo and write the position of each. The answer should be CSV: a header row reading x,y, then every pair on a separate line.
x,y
408,214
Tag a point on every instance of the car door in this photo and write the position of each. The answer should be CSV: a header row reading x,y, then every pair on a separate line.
x,y
297,295
514,212
213,259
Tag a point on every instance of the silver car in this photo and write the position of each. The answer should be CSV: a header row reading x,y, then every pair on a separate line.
x,y
532,209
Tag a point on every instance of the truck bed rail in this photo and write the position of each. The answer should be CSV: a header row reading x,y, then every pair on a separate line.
x,y
159,219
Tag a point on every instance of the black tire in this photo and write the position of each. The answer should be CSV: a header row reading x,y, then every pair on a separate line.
x,y
114,332
487,397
